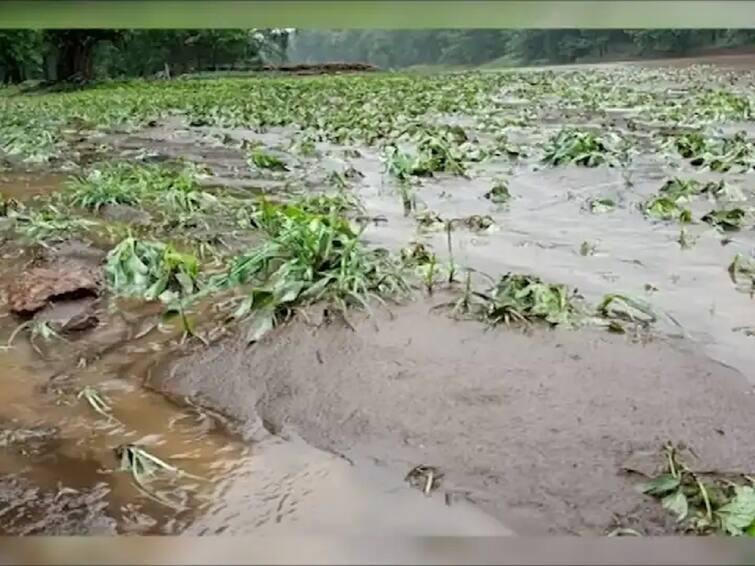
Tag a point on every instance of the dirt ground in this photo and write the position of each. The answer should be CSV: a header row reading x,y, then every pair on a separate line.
x,y
543,431
535,429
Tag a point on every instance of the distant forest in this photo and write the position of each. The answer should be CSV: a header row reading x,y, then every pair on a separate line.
x,y
68,55
404,48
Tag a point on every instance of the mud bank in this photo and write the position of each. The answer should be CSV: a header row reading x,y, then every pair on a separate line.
x,y
534,428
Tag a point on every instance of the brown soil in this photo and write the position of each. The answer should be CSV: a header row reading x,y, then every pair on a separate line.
x,y
534,428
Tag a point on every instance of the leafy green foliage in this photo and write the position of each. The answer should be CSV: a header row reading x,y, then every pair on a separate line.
x,y
169,188
680,189
308,257
519,299
499,194
666,208
720,154
261,159
702,502
102,187
601,205
726,219
574,146
150,270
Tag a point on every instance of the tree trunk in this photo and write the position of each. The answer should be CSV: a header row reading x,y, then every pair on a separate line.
x,y
75,61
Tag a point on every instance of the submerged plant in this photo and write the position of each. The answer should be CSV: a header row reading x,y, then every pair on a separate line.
x,y
615,307
261,159
720,154
104,186
742,273
499,194
726,219
150,270
169,188
579,147
600,205
703,502
666,208
516,299
96,400
680,189
48,225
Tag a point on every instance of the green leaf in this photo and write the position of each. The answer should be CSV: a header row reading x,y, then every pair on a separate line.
x,y
659,485
676,503
738,514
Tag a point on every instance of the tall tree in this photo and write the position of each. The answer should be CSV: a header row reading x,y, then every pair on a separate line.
x,y
72,51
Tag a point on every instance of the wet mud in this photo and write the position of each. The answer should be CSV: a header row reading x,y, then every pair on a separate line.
x,y
314,429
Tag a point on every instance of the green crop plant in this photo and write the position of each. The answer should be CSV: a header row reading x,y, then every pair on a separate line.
x,y
150,270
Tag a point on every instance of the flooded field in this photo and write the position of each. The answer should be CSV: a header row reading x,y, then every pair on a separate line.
x,y
470,304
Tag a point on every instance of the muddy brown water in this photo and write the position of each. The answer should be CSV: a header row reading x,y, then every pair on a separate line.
x,y
315,428
59,473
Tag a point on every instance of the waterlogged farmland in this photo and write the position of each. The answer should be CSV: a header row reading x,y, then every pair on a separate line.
x,y
470,303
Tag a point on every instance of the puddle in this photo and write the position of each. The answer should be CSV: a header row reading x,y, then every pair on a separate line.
x,y
59,473
24,186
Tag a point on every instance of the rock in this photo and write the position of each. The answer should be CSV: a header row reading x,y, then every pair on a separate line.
x,y
74,252
126,213
70,316
36,287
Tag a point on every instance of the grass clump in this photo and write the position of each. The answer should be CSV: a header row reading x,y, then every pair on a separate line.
x,y
260,159
703,503
305,258
150,270
105,186
168,188
47,225
579,147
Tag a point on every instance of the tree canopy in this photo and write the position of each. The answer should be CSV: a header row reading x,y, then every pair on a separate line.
x,y
67,55
402,48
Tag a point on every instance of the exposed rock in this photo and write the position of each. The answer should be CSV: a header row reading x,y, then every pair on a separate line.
x,y
70,316
126,213
36,287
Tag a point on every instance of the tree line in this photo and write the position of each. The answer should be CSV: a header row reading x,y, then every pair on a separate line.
x,y
404,48
68,55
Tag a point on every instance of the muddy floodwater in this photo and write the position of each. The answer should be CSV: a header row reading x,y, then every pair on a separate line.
x,y
405,420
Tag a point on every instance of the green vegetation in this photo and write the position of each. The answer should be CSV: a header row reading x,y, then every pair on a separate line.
x,y
666,208
308,257
600,205
261,159
499,194
703,502
150,270
519,299
573,146
726,219
716,154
